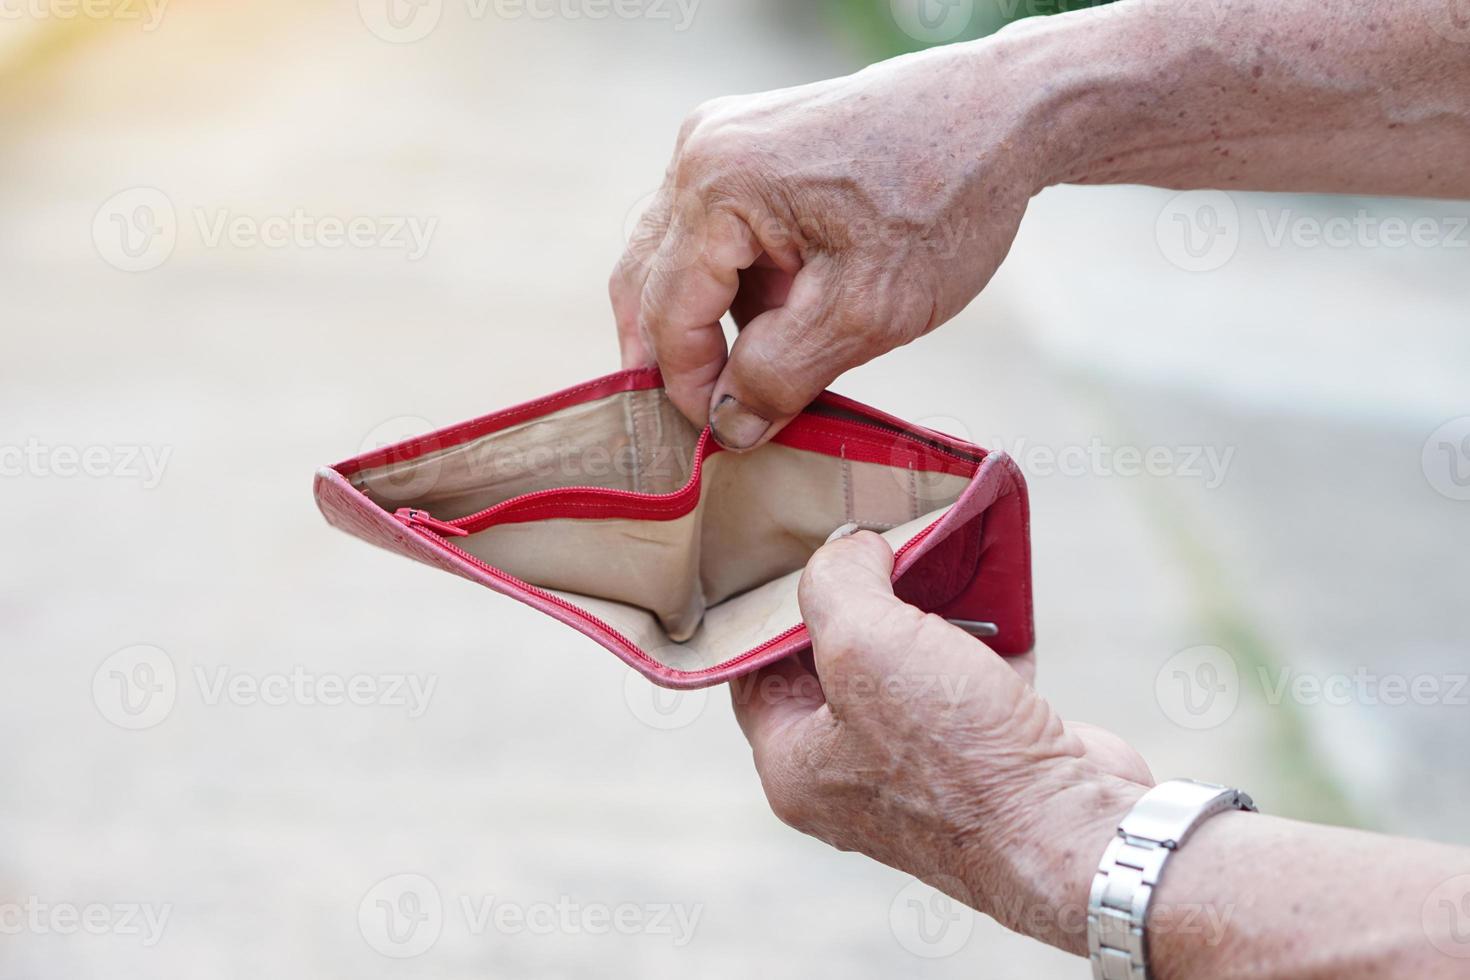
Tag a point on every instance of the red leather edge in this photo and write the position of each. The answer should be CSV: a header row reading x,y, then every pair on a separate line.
x,y
987,529
638,379
829,437
992,521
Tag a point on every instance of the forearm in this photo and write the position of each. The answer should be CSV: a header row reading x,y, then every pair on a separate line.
x,y
1253,895
1298,900
1367,97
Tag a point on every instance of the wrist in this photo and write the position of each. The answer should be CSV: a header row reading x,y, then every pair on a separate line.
x,y
1044,101
1134,92
1031,868
1095,84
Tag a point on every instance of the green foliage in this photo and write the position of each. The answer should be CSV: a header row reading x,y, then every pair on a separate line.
x,y
873,22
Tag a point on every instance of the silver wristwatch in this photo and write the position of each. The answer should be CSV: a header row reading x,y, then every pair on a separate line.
x,y
1156,826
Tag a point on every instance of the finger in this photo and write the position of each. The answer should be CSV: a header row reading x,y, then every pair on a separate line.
x,y
845,595
625,286
862,632
690,285
847,579
764,286
784,358
632,350
771,701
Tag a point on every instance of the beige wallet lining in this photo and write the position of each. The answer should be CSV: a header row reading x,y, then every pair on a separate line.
x,y
692,591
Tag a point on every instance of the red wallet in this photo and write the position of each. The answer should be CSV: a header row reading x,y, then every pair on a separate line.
x,y
603,507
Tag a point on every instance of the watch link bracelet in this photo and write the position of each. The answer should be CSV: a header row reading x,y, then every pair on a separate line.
x,y
1117,907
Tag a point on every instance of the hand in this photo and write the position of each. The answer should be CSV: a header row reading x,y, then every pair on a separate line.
x,y
913,743
842,219
836,221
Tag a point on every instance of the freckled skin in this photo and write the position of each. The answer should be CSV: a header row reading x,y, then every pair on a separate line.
x,y
908,740
842,219
849,217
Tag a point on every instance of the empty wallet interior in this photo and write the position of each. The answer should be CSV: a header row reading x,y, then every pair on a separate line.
x,y
624,509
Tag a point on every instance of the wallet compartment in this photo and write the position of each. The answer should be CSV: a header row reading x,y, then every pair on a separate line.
x,y
621,500
602,507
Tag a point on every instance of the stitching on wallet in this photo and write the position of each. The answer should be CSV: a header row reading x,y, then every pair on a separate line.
x,y
948,464
913,494
662,458
651,442
847,513
849,498
650,437
511,416
630,417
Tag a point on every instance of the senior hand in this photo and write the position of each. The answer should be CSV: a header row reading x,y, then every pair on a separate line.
x,y
836,221
839,220
915,744
842,219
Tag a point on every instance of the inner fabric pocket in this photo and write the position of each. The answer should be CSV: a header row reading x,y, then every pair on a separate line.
x,y
668,533
634,441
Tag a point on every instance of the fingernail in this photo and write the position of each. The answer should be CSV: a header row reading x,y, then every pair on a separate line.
x,y
849,528
734,426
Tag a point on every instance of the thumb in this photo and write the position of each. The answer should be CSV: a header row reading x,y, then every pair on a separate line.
x,y
861,631
844,591
782,359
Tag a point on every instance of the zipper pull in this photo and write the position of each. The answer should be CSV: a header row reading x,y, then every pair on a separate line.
x,y
423,519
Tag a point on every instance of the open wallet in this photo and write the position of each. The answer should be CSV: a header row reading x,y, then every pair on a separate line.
x,y
603,507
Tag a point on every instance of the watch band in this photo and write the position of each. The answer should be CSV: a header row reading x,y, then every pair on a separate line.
x,y
1117,906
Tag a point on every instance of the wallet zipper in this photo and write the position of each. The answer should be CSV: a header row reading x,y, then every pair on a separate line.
x,y
937,447
413,517
421,521
470,523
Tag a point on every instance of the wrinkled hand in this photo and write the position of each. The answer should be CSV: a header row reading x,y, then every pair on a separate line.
x,y
836,221
915,744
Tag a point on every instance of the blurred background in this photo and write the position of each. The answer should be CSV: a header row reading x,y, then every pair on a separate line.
x,y
238,241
